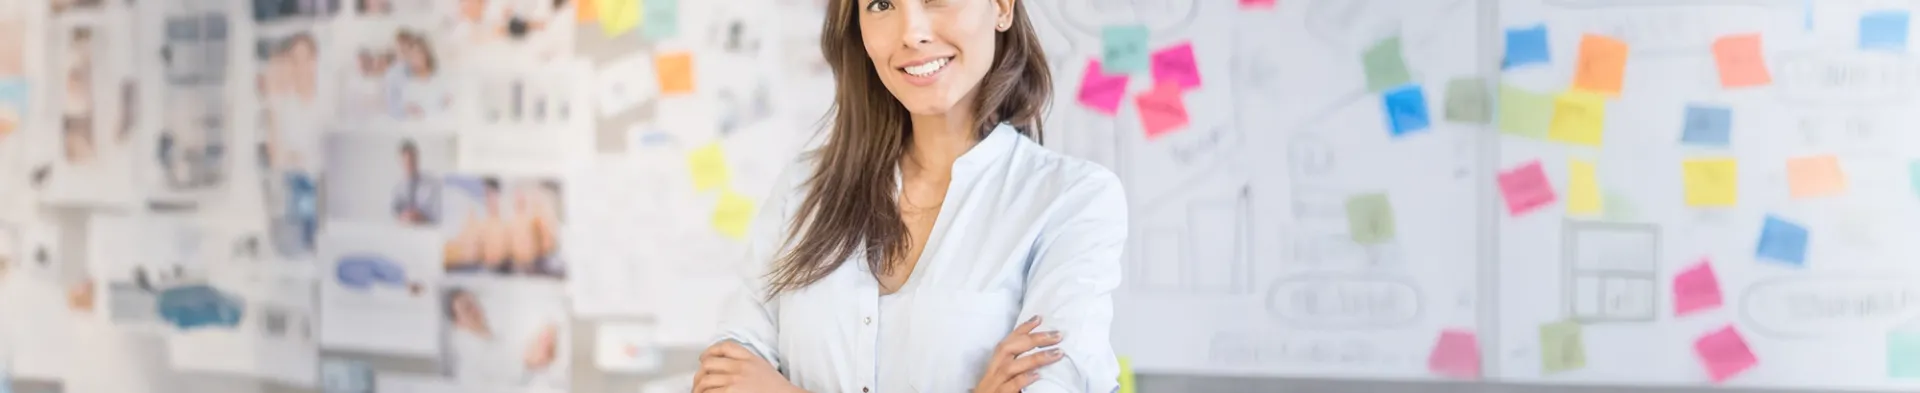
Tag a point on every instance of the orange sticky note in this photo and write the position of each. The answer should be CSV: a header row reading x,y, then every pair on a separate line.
x,y
1740,60
1603,64
585,11
675,71
1815,176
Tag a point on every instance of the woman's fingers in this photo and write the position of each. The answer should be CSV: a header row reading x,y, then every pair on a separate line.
x,y
720,366
1021,381
1013,346
1033,362
711,382
729,349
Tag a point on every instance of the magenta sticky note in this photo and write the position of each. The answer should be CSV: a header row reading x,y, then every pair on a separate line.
x,y
1102,91
1162,110
1526,188
1696,289
1457,355
1258,4
1175,65
1725,354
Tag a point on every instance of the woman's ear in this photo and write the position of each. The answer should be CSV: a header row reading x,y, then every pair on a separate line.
x,y
1003,14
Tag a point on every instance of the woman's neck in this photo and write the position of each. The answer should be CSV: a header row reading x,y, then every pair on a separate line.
x,y
938,141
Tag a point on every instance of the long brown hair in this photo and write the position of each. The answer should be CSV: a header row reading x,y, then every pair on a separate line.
x,y
849,208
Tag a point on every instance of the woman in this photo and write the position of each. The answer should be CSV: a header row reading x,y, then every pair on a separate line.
x,y
903,253
476,352
415,92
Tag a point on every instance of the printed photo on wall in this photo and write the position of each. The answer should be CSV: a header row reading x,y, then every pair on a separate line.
x,y
388,177
15,88
387,8
271,334
274,11
190,147
93,104
290,191
289,78
393,72
378,289
136,261
502,226
505,332
59,6
540,30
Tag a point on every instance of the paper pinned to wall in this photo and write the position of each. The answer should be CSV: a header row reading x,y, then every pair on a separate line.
x,y
1696,289
733,214
1561,347
1384,67
1525,188
1456,355
1102,91
1578,118
626,347
617,17
1815,176
1525,113
676,72
1124,48
709,167
1711,182
1583,190
660,19
1176,65
1725,354
1602,65
1741,61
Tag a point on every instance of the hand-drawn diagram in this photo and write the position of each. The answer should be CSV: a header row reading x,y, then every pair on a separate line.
x,y
1611,270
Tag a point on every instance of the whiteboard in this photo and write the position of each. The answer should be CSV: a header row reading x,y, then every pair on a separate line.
x,y
1241,261
1812,252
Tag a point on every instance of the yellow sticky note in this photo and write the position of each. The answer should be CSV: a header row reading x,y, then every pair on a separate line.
x,y
1815,176
709,166
733,214
675,71
1711,181
1583,191
1126,375
618,16
1578,118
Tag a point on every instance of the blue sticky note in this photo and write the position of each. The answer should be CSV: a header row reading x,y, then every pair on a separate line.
x,y
1884,31
1406,108
1526,45
1123,49
13,93
1708,126
660,19
1783,241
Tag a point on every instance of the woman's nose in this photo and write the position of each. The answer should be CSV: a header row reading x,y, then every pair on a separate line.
x,y
916,26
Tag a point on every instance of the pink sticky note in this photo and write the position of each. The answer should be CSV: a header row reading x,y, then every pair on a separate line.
x,y
1725,354
1526,188
1175,65
1162,110
1258,4
1696,289
1101,90
1456,355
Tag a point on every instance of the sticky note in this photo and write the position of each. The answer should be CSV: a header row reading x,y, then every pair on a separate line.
x,y
1526,188
1724,354
1406,109
1102,91
1913,173
1468,101
1384,67
1711,182
1370,218
1583,188
587,11
1526,45
1620,208
618,16
1123,48
1561,347
1602,65
1525,113
1175,65
1162,110
1126,376
1258,4
1815,176
1456,355
1578,118
1740,61
709,167
1782,241
1696,289
1903,354
660,19
1884,30
1708,126
733,214
675,71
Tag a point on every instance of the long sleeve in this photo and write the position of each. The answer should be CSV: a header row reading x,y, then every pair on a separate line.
x,y
749,317
1075,270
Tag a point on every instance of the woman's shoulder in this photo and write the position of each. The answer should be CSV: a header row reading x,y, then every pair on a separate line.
x,y
1075,174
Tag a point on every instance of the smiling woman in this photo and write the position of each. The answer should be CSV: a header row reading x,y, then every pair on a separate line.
x,y
901,255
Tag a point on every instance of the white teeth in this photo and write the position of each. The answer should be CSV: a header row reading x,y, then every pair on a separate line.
x,y
928,68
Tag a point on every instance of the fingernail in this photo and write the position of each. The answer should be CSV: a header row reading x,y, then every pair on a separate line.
x,y
1035,318
1054,335
1055,353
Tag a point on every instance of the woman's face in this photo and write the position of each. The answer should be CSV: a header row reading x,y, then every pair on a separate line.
x,y
415,56
303,53
930,53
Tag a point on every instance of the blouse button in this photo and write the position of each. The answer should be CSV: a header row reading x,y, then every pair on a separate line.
x,y
866,321
863,389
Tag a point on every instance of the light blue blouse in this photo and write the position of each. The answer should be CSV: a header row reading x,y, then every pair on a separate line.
x,y
1023,231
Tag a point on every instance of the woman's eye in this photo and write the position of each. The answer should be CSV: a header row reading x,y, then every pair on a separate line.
x,y
879,5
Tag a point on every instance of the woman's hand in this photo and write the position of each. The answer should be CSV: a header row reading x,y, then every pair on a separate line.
x,y
728,367
1008,372
539,353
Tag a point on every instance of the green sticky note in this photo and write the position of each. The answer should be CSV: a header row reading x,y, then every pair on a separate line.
x,y
1561,348
661,19
1385,69
1525,113
1903,354
1467,101
1124,49
1370,218
1618,208
1126,375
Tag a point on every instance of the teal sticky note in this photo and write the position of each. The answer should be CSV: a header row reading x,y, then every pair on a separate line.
x,y
1123,49
1370,218
1903,354
1913,171
660,19
1384,67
